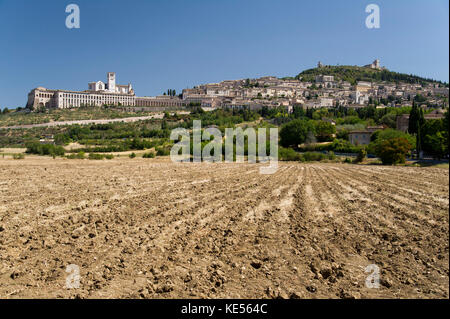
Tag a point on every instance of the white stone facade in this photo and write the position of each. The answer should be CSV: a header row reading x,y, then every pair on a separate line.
x,y
42,97
111,86
99,94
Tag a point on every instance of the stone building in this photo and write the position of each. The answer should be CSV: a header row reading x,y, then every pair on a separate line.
x,y
374,65
403,120
159,101
360,137
99,94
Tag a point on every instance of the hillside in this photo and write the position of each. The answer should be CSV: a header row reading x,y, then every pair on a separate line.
x,y
353,74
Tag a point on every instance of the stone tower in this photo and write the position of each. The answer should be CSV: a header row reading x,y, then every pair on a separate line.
x,y
376,63
111,81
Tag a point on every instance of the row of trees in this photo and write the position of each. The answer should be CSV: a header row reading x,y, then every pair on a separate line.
x,y
170,92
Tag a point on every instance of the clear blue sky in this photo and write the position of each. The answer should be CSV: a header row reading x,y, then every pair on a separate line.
x,y
156,44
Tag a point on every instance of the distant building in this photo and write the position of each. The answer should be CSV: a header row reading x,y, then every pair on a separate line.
x,y
363,137
159,101
324,78
99,93
363,86
360,98
403,120
110,86
326,81
374,65
326,102
360,137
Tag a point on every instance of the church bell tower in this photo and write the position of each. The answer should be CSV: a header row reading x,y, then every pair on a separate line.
x,y
111,81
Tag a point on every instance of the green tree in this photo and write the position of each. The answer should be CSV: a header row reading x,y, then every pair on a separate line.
x,y
390,120
324,131
434,137
435,145
362,153
295,132
416,119
380,136
164,125
393,150
298,111
413,119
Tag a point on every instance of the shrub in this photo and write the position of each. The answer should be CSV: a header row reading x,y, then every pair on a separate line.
x,y
44,149
19,156
393,150
109,156
79,155
162,151
288,154
342,134
314,156
361,155
132,155
331,156
149,155
94,156
338,145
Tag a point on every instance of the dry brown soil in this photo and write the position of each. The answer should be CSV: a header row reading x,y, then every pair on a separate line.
x,y
140,228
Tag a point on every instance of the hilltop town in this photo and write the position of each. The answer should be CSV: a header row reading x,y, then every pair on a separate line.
x,y
324,86
321,90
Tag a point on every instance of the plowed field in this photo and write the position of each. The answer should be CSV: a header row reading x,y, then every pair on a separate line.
x,y
155,229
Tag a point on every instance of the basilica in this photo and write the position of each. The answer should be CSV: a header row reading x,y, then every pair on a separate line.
x,y
111,86
98,94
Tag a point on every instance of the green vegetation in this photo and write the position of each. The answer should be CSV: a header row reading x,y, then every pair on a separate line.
x,y
295,132
380,136
79,155
18,156
362,153
163,151
94,156
338,146
303,134
149,155
324,131
393,150
431,135
435,137
23,117
288,154
315,156
353,74
44,149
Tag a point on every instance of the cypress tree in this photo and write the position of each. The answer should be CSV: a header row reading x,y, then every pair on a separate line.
x,y
413,119
420,121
